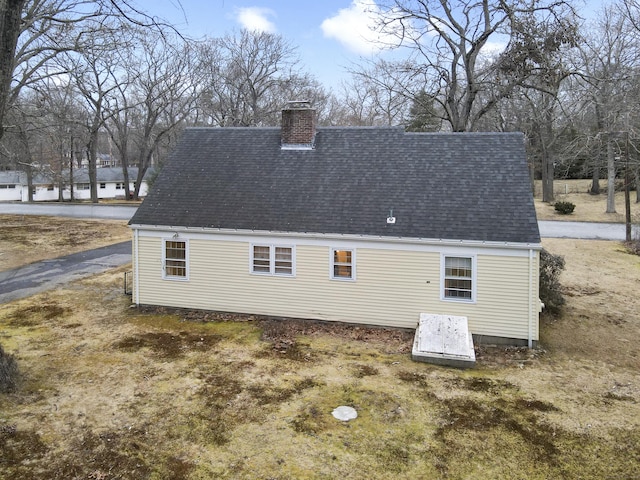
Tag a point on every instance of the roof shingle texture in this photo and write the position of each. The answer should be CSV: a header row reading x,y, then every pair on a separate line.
x,y
453,186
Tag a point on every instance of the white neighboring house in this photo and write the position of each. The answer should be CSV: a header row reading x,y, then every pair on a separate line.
x,y
45,187
110,183
11,185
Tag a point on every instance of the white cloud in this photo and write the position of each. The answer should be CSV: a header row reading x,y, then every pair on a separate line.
x,y
256,19
355,27
494,48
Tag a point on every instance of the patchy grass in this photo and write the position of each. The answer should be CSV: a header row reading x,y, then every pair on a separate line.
x,y
30,238
113,392
167,344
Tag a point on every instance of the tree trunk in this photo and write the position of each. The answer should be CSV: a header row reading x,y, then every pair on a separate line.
x,y
547,177
60,189
93,175
611,178
532,176
547,158
143,166
125,176
595,179
93,164
29,184
71,172
10,17
141,172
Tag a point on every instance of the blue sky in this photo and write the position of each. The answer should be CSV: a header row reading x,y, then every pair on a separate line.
x,y
328,34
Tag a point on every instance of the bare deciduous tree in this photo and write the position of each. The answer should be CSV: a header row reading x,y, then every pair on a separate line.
x,y
449,44
610,60
379,93
35,32
164,91
249,77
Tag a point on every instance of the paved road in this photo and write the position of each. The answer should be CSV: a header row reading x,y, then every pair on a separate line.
x,y
48,274
583,230
114,212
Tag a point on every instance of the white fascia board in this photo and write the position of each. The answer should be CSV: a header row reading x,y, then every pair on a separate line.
x,y
342,240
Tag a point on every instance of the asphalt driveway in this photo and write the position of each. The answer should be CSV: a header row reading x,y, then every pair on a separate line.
x,y
41,276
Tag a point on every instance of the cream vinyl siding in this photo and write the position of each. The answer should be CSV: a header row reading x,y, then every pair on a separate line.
x,y
502,306
392,288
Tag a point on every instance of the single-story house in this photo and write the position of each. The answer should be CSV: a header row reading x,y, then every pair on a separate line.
x,y
110,182
11,185
46,186
368,225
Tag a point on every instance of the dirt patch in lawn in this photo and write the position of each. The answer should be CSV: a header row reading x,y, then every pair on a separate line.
x,y
30,238
168,344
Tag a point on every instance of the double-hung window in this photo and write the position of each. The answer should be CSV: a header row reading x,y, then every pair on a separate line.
x,y
272,260
459,278
342,264
175,258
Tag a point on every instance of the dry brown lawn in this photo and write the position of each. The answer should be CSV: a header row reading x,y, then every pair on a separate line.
x,y
113,392
30,238
589,208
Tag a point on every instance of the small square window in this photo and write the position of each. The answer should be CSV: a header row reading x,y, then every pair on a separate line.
x,y
342,264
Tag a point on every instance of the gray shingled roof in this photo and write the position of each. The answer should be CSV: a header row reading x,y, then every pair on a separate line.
x,y
80,175
455,186
11,177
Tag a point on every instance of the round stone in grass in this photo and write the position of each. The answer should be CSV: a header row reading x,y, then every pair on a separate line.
x,y
345,413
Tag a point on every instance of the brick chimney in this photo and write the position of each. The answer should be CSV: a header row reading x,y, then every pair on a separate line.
x,y
298,126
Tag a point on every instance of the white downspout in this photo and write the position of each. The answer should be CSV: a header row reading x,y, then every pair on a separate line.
x,y
530,336
136,268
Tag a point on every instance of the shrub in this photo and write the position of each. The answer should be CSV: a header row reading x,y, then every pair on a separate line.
x,y
564,208
8,372
550,289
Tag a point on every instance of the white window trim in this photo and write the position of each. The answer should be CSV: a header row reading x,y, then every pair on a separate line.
x,y
353,265
272,260
164,259
474,282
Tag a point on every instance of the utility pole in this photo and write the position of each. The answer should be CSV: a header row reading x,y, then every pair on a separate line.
x,y
70,164
627,181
